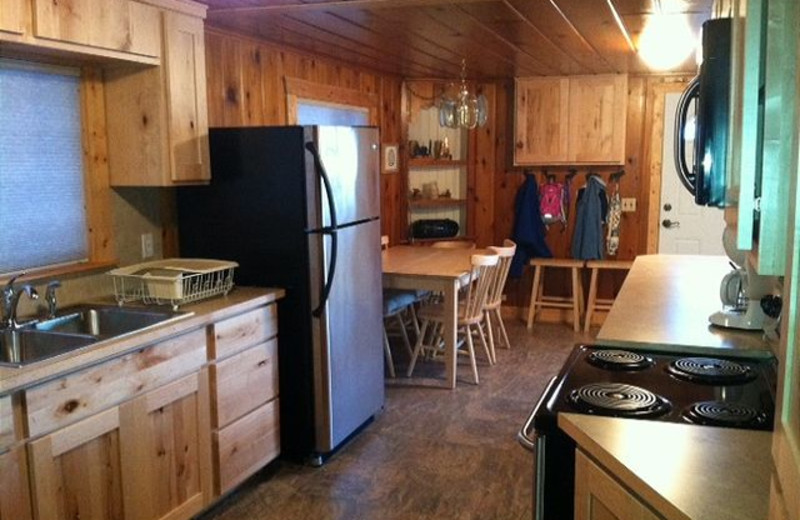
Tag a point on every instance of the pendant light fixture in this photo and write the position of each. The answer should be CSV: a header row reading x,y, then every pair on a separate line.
x,y
465,109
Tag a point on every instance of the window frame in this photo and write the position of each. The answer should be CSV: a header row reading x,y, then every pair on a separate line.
x,y
101,252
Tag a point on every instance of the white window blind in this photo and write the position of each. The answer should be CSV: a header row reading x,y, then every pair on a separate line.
x,y
311,112
42,206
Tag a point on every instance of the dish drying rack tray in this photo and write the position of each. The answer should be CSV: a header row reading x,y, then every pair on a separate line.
x,y
173,281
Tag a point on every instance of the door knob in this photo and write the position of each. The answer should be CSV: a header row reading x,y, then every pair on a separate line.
x,y
667,207
667,223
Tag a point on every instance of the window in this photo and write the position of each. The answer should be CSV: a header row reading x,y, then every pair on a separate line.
x,y
310,112
43,220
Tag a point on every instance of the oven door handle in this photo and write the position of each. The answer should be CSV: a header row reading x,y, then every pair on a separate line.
x,y
524,436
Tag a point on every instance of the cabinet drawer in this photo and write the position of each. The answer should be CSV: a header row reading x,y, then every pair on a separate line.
x,y
6,423
235,334
245,381
247,445
74,396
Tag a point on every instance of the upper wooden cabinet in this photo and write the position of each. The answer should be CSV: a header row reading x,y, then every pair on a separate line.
x,y
12,16
157,116
570,120
120,25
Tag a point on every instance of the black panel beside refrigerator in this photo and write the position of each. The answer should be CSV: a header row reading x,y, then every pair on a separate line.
x,y
271,209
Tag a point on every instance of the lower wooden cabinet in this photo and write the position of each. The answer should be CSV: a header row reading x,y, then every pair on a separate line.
x,y
247,445
15,499
598,496
166,458
148,458
76,472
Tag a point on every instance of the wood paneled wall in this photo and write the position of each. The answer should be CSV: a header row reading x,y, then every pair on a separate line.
x,y
246,87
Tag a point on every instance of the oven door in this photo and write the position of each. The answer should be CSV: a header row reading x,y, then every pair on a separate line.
x,y
553,460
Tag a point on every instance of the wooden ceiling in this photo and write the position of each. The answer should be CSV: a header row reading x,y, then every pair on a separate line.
x,y
428,38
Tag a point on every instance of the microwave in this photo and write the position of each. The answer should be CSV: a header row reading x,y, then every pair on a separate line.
x,y
704,172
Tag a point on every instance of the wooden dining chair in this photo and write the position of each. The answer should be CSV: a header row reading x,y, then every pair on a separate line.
x,y
495,298
397,302
469,315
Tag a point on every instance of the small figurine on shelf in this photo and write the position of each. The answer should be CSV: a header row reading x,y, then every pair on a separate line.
x,y
415,194
446,150
445,194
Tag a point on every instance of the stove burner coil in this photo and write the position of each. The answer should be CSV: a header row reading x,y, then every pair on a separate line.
x,y
618,399
619,360
710,370
720,413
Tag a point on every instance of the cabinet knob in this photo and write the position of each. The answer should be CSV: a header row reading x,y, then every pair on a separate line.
x,y
519,145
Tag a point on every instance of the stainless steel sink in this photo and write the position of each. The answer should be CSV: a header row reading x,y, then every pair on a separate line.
x,y
105,322
19,347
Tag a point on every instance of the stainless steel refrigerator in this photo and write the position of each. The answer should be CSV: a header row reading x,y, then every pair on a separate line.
x,y
298,207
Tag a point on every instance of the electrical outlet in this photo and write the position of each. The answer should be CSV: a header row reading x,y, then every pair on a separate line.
x,y
147,245
628,204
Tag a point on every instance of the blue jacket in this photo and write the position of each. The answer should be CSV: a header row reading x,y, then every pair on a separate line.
x,y
529,230
587,241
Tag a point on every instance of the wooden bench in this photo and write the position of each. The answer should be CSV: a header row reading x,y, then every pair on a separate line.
x,y
539,300
593,303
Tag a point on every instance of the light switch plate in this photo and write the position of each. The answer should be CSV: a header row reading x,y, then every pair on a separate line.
x,y
147,245
628,204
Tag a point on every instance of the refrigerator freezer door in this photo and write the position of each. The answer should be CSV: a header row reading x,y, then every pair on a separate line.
x,y
348,337
350,156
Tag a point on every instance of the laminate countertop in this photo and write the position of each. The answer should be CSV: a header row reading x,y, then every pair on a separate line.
x,y
666,301
685,472
198,314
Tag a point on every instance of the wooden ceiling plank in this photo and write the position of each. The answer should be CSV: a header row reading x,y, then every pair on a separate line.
x,y
600,30
504,18
285,7
549,19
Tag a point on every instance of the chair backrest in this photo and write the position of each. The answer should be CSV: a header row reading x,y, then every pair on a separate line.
x,y
504,254
481,278
384,242
454,244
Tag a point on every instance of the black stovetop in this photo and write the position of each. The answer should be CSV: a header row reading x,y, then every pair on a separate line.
x,y
654,385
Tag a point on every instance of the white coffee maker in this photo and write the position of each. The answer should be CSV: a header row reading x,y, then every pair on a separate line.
x,y
741,290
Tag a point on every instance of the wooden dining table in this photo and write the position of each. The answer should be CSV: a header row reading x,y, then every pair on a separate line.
x,y
433,269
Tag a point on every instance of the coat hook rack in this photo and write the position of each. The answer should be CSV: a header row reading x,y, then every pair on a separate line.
x,y
616,176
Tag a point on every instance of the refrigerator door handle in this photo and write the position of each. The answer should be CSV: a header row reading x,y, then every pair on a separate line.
x,y
330,230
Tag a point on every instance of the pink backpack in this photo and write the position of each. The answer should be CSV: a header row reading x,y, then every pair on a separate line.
x,y
553,202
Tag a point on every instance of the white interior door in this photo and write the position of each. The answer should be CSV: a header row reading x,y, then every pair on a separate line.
x,y
684,227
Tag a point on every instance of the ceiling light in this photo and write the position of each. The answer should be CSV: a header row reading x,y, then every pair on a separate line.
x,y
464,109
667,40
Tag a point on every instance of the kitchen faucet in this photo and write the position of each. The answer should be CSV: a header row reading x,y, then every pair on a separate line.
x,y
11,296
50,298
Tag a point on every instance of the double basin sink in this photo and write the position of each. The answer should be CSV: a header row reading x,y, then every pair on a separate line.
x,y
77,327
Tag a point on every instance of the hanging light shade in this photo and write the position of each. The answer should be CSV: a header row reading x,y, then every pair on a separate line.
x,y
465,110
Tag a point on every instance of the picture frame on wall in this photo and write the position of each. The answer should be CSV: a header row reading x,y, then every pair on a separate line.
x,y
391,158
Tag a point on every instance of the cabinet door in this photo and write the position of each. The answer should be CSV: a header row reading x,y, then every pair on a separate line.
x,y
110,24
184,61
599,497
15,500
166,461
541,118
76,471
597,112
12,16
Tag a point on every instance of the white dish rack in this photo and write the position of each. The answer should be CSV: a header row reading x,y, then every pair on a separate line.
x,y
173,281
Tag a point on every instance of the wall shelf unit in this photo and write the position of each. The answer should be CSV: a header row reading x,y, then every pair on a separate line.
x,y
434,203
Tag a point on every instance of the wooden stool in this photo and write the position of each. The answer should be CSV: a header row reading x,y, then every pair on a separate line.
x,y
539,300
594,303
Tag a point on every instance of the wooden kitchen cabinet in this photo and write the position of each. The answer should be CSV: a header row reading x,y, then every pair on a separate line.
x,y
166,451
12,16
76,472
121,25
157,118
598,496
570,120
244,382
542,121
15,500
